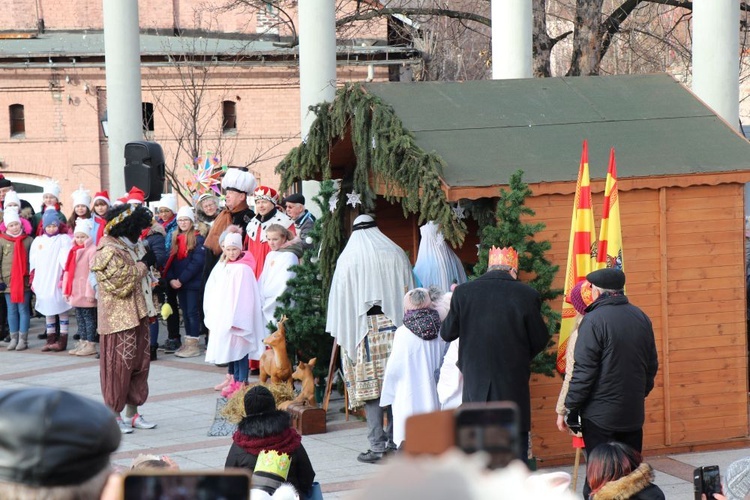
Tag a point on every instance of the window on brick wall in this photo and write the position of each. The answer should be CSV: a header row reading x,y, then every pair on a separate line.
x,y
229,114
17,120
147,109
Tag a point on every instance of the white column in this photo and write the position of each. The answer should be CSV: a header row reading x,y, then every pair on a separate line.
x,y
317,69
123,71
512,23
716,49
317,57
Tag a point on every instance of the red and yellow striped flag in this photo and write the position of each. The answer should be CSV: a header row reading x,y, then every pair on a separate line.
x,y
580,259
609,251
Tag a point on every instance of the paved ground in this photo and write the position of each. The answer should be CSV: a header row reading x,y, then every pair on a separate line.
x,y
182,403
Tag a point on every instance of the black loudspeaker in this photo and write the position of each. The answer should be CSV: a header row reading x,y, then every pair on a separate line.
x,y
144,168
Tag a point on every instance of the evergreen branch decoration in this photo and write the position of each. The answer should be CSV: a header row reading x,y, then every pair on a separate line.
x,y
386,154
510,230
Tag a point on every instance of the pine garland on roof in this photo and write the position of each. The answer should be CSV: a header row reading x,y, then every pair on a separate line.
x,y
386,153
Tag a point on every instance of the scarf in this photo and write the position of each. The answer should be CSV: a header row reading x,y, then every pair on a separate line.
x,y
424,323
182,250
99,230
19,269
286,442
223,221
70,268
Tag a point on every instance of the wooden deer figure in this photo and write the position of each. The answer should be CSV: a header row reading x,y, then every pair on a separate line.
x,y
304,373
275,361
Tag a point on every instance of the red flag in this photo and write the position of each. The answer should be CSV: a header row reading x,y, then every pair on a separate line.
x,y
580,261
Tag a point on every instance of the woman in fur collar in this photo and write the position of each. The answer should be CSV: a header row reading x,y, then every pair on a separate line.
x,y
266,428
616,471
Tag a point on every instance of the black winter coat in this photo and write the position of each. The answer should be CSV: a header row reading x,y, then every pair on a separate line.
x,y
499,323
615,365
190,269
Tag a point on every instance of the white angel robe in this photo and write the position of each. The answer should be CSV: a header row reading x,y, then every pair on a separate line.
x,y
437,264
47,258
409,383
233,312
273,281
451,383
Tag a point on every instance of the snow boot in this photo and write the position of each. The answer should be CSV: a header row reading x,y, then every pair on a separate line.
x,y
61,344
190,348
51,341
13,342
23,341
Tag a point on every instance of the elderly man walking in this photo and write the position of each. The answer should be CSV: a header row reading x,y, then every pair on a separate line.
x,y
615,365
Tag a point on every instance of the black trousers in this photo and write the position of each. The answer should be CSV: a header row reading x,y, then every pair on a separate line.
x,y
173,321
593,436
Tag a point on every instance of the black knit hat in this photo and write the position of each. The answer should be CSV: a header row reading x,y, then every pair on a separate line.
x,y
259,400
50,437
608,279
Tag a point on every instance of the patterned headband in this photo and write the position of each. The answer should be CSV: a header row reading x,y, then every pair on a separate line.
x,y
121,217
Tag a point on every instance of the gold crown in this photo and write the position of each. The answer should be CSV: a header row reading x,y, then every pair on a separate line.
x,y
272,462
503,257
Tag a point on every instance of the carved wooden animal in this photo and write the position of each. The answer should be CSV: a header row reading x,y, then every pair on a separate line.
x,y
275,361
304,373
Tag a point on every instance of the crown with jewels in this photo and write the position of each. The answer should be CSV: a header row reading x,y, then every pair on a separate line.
x,y
503,257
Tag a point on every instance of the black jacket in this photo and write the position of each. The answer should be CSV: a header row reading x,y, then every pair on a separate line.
x,y
615,365
271,427
500,327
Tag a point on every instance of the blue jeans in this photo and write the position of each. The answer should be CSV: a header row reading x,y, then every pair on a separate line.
x,y
190,304
240,369
18,314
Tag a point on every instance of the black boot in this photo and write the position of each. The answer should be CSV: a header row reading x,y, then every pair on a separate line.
x,y
153,352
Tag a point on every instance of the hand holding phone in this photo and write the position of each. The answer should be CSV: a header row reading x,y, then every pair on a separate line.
x,y
707,482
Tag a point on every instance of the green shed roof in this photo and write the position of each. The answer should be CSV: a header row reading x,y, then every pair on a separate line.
x,y
486,130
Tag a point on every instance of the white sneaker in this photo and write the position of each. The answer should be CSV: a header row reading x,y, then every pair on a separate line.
x,y
124,428
138,422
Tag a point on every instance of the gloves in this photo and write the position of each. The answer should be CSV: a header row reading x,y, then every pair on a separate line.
x,y
3,286
573,421
149,258
166,311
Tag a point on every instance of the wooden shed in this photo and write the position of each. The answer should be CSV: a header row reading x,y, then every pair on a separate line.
x,y
682,174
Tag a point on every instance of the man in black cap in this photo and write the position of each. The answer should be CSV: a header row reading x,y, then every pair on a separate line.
x,y
615,365
294,205
54,444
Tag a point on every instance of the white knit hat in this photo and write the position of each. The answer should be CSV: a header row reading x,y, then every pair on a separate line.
x,y
85,226
168,200
186,213
233,240
239,180
11,198
81,196
51,187
10,215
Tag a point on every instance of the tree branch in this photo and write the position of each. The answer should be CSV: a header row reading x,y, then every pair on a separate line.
x,y
407,11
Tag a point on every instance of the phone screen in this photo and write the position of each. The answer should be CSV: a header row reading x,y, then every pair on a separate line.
x,y
493,428
711,480
187,485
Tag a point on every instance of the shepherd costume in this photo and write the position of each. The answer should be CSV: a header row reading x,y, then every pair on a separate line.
x,y
124,284
233,312
365,306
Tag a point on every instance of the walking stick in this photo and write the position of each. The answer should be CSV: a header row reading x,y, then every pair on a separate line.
x,y
578,444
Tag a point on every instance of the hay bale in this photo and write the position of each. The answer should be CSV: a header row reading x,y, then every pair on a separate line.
x,y
234,411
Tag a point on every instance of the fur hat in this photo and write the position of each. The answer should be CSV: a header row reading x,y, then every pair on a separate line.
x,y
127,221
137,196
85,226
168,200
51,187
418,298
49,218
50,437
186,213
11,197
102,196
580,296
81,196
10,215
607,279
240,180
266,193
